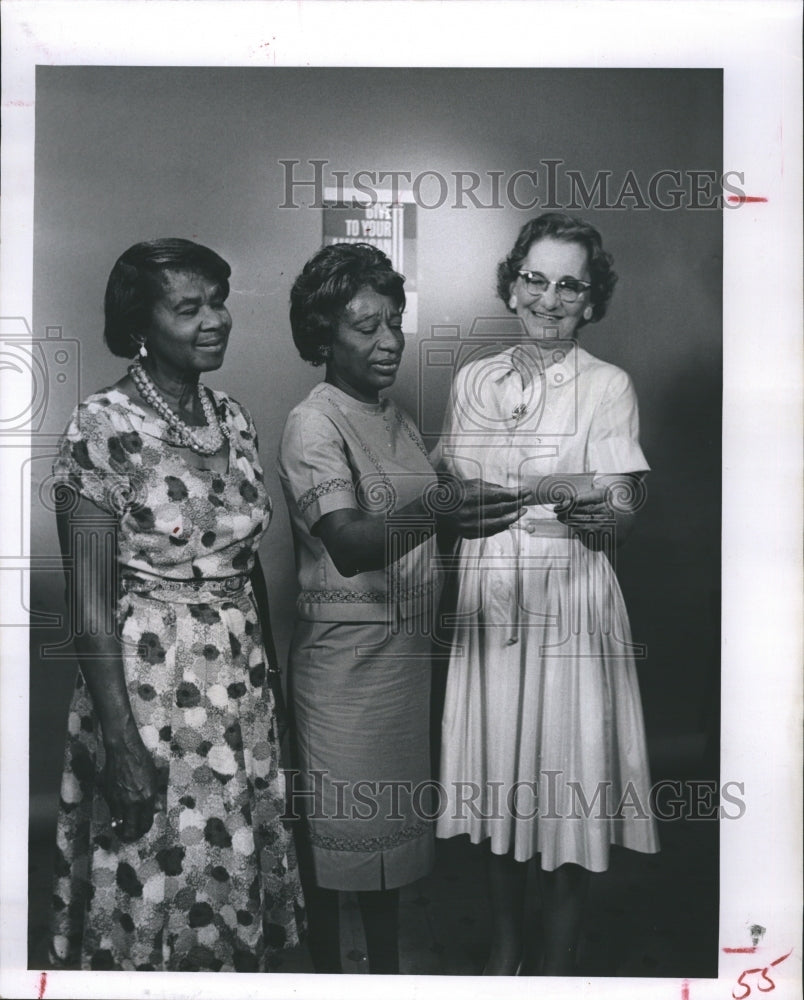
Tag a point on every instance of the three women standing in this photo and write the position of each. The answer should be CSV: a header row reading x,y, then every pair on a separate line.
x,y
172,852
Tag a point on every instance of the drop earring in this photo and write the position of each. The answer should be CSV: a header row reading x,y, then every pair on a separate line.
x,y
143,352
512,302
587,313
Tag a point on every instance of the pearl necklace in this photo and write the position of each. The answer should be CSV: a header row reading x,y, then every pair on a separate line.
x,y
202,440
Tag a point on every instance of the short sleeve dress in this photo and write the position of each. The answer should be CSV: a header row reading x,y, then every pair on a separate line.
x,y
359,668
213,886
543,740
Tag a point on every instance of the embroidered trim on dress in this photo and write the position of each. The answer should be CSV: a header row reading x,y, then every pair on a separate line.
x,y
413,437
330,843
308,498
343,596
363,596
378,466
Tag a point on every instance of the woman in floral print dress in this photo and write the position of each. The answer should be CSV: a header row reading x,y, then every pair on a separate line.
x,y
171,849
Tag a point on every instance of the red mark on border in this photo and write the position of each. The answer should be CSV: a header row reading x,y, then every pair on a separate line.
x,y
42,985
685,990
779,960
745,199
740,951
763,974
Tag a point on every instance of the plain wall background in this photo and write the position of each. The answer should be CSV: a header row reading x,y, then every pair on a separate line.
x,y
124,154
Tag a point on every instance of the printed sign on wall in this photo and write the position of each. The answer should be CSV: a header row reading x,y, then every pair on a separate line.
x,y
350,216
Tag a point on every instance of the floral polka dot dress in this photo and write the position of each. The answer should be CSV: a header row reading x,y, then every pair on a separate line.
x,y
213,886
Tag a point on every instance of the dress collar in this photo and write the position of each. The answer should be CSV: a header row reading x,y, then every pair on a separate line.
x,y
530,361
344,401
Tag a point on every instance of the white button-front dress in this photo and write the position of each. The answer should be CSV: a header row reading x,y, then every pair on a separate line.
x,y
543,741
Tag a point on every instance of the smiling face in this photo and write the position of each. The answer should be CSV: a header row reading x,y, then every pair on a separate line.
x,y
189,327
544,315
367,346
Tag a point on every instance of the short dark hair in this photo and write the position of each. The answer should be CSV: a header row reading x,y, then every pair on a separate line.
x,y
568,229
327,284
138,279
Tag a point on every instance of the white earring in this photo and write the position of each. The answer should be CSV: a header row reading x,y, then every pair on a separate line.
x,y
587,313
512,301
143,352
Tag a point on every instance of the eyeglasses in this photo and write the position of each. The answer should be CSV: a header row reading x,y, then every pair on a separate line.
x,y
567,289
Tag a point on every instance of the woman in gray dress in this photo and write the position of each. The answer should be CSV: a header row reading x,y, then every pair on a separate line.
x,y
364,505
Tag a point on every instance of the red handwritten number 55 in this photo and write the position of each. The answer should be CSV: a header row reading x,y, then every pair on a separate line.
x,y
763,975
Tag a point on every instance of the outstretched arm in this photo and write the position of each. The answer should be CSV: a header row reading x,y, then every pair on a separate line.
x,y
357,541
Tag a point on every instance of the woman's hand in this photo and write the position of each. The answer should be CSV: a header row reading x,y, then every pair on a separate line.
x,y
588,508
130,783
607,509
591,518
483,508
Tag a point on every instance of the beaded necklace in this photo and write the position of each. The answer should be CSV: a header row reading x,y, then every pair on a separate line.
x,y
202,440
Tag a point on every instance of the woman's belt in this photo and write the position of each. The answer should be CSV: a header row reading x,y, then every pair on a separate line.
x,y
369,605
192,591
542,526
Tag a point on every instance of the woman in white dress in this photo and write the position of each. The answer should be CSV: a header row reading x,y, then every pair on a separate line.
x,y
543,738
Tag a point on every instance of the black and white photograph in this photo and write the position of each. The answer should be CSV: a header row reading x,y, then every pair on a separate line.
x,y
401,454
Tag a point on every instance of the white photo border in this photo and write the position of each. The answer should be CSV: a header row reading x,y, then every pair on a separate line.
x,y
757,44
